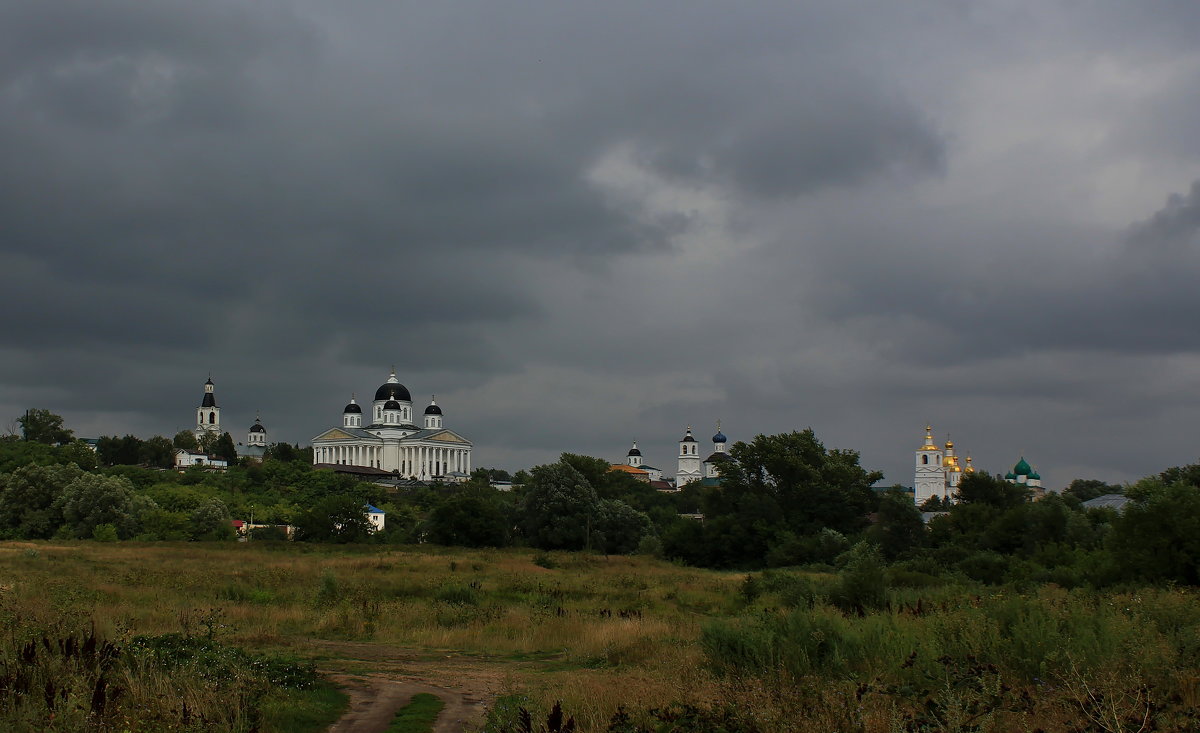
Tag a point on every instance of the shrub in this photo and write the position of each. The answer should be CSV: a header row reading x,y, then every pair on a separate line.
x,y
105,533
861,585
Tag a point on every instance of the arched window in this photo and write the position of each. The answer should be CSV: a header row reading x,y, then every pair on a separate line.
x,y
925,459
212,418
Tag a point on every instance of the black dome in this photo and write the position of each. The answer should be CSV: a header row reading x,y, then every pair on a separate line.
x,y
391,405
354,408
393,391
257,428
433,410
209,400
634,452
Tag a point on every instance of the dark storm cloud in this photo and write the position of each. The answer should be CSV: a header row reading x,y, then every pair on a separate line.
x,y
1172,228
582,221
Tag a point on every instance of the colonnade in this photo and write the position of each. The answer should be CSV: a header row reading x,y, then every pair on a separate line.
x,y
421,461
350,455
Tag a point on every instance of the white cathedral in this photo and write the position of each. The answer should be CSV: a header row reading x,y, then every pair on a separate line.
x,y
392,442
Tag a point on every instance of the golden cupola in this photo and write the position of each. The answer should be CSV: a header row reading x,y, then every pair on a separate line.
x,y
929,444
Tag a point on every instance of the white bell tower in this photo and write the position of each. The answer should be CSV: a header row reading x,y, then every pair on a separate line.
x,y
689,460
208,415
930,478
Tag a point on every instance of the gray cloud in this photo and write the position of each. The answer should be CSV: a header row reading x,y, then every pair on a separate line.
x,y
584,224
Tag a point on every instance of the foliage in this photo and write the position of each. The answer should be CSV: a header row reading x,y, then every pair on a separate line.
x,y
898,528
185,440
1157,538
776,489
114,451
31,500
90,500
475,518
334,519
982,488
1085,489
559,508
43,426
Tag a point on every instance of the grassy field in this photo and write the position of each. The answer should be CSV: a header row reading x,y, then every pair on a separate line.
x,y
603,633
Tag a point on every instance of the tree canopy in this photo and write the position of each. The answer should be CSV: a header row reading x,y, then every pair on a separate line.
x,y
43,426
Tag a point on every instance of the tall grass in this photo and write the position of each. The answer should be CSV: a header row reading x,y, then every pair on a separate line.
x,y
891,651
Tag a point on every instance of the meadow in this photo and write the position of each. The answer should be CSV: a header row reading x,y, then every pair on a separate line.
x,y
624,642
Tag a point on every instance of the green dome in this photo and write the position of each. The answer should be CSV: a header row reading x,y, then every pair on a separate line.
x,y
1035,476
1010,476
1022,468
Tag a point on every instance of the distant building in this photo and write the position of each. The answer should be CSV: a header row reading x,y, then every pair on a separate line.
x,y
185,458
392,442
208,415
635,473
375,516
938,470
1025,475
634,460
256,442
688,468
1116,502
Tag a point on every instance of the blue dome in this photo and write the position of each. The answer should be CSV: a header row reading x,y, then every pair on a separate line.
x,y
720,438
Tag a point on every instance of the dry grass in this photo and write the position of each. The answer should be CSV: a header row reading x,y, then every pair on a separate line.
x,y
598,633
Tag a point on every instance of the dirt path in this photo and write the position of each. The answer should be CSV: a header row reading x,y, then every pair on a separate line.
x,y
375,700
381,680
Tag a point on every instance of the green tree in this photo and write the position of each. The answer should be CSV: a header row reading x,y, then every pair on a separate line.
x,y
1189,475
114,451
81,454
781,486
559,508
470,519
185,440
334,519
1086,488
1157,537
91,499
619,528
898,528
981,488
225,448
210,521
158,452
43,426
30,500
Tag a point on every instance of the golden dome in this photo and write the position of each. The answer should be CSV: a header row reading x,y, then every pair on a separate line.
x,y
929,444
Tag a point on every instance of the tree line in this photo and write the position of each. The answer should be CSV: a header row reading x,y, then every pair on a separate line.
x,y
783,500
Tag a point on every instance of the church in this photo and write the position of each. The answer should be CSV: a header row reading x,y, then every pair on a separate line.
x,y
938,470
690,467
208,422
392,442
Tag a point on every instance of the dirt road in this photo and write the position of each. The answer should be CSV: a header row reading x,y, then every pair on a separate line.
x,y
381,680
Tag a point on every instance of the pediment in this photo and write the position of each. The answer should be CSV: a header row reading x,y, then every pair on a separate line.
x,y
334,434
445,436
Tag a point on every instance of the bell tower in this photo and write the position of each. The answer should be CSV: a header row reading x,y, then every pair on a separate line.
x,y
208,415
930,478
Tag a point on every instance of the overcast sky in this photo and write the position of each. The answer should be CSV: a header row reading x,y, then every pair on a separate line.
x,y
583,223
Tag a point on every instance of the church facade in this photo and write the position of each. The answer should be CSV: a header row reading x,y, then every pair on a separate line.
x,y
386,437
938,470
208,422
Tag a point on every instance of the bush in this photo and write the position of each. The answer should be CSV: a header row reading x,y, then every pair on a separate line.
x,y
104,533
861,586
